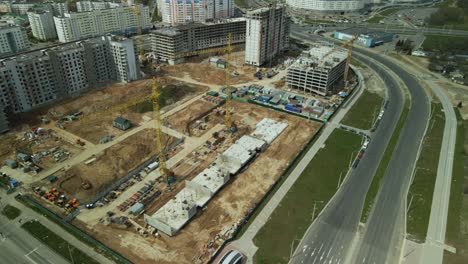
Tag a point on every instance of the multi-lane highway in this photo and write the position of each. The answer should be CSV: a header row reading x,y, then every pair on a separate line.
x,y
330,239
332,234
18,246
385,231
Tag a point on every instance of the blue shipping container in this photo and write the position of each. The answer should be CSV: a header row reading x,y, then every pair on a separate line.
x,y
292,109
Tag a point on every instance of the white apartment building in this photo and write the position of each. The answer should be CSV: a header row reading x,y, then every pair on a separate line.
x,y
4,125
172,44
84,6
57,8
311,73
184,11
13,39
5,7
21,8
125,58
327,5
267,34
32,79
42,24
121,20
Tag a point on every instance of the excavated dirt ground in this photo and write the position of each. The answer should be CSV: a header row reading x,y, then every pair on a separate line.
x,y
227,207
96,107
181,119
111,165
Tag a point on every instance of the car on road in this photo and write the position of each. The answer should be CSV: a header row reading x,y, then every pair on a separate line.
x,y
232,257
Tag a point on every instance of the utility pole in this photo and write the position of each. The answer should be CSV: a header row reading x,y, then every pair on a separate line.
x,y
351,159
339,181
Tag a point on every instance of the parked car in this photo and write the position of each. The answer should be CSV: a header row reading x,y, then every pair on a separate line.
x,y
232,257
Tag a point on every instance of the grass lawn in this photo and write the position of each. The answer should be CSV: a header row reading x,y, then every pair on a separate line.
x,y
435,42
364,111
376,181
168,95
11,212
457,222
357,63
318,183
57,243
277,186
422,187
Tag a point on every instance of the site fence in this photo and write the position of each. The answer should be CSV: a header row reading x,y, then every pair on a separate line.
x,y
189,124
76,232
270,191
133,173
290,166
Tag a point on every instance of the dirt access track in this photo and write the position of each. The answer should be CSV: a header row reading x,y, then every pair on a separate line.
x,y
110,165
180,120
201,70
227,207
96,106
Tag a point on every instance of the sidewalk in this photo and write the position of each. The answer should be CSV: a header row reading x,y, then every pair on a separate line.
x,y
245,243
28,214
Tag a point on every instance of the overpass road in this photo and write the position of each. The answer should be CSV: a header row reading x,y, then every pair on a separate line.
x,y
330,239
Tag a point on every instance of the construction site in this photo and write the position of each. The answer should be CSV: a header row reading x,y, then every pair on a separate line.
x,y
167,168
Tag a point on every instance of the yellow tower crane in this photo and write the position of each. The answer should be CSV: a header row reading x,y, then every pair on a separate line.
x,y
163,170
227,118
349,45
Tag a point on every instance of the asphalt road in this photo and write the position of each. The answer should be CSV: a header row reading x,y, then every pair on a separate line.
x,y
19,247
385,226
330,237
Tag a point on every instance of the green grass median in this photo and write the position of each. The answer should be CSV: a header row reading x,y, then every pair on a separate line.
x,y
364,111
57,243
314,188
422,187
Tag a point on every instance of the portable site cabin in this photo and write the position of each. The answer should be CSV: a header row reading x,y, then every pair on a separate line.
x,y
122,123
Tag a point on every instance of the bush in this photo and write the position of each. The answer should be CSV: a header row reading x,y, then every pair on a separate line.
x,y
11,212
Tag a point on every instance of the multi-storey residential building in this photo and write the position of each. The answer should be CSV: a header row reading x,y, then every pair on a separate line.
x,y
5,7
21,8
312,73
179,12
121,20
173,43
42,24
4,124
328,5
84,6
267,34
57,8
13,39
35,78
125,58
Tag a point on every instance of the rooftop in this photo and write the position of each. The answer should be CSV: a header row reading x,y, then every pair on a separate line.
x,y
313,58
364,32
269,129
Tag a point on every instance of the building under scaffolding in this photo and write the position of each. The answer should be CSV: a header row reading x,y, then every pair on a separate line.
x,y
312,73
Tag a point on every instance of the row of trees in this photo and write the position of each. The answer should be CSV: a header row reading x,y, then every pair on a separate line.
x,y
404,46
450,14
